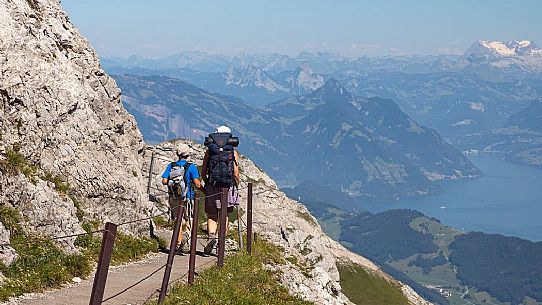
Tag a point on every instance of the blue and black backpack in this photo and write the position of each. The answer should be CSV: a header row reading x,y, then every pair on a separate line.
x,y
220,165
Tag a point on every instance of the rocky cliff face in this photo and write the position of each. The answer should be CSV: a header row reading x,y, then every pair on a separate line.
x,y
285,222
66,140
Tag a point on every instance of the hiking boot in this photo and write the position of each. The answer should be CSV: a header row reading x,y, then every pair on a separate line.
x,y
211,246
185,243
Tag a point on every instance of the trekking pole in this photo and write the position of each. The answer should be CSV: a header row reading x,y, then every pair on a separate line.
x,y
149,182
249,219
223,223
241,246
171,255
193,241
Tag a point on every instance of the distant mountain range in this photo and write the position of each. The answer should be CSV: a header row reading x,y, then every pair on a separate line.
x,y
365,147
502,49
323,61
455,94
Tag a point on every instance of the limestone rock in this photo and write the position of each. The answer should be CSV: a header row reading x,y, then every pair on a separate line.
x,y
7,253
64,116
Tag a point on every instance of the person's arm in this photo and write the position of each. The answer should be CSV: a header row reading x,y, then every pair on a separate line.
x,y
195,176
165,175
197,183
204,166
236,168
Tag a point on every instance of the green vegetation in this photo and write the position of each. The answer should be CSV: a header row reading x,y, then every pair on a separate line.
x,y
305,268
364,288
127,248
443,235
41,264
79,213
438,276
61,186
16,163
428,263
509,268
390,237
162,222
387,235
243,280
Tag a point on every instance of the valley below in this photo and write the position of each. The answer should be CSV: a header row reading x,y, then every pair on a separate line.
x,y
475,243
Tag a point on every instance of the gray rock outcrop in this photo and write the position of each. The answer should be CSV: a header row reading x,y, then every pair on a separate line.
x,y
62,117
7,253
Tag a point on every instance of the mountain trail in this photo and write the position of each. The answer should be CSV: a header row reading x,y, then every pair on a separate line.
x,y
118,280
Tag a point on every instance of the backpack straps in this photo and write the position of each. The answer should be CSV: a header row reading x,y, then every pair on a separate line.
x,y
186,166
171,165
187,181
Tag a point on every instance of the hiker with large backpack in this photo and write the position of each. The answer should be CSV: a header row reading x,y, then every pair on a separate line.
x,y
220,170
179,177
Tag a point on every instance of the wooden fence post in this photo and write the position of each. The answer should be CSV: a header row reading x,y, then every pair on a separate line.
x,y
193,241
100,278
249,219
171,255
223,224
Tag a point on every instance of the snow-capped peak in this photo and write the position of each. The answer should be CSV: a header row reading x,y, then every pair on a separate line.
x,y
501,48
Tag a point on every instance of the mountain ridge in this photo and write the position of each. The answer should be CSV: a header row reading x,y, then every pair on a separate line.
x,y
278,135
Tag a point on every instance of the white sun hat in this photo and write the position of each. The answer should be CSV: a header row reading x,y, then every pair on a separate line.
x,y
223,129
183,150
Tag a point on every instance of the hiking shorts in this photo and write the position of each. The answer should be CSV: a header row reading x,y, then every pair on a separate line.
x,y
212,199
174,208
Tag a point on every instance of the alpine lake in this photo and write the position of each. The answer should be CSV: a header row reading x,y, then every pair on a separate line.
x,y
506,200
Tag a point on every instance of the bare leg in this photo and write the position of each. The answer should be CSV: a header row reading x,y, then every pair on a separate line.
x,y
212,224
185,225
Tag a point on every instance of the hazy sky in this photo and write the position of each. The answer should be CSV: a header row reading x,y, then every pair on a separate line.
x,y
159,28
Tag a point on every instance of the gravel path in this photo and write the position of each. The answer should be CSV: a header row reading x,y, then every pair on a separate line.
x,y
119,279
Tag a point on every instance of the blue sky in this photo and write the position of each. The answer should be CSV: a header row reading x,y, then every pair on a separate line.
x,y
159,28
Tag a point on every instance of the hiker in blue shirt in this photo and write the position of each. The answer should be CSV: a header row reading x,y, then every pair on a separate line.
x,y
179,177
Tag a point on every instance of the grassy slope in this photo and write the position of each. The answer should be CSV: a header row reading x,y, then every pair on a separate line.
x,y
242,280
364,288
245,280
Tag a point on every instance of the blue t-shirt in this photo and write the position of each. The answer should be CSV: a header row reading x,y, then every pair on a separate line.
x,y
191,174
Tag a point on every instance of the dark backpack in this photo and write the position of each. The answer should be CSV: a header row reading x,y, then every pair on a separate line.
x,y
220,164
177,181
